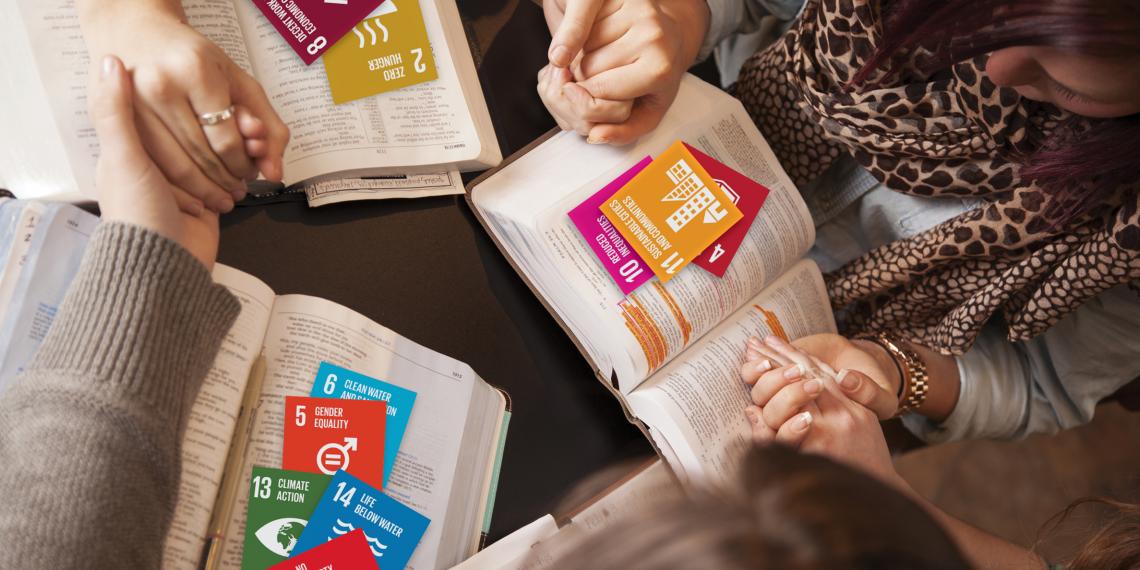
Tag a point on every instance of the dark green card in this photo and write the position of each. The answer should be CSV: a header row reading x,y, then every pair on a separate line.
x,y
280,504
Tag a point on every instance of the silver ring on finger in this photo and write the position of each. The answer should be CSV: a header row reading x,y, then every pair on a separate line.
x,y
207,119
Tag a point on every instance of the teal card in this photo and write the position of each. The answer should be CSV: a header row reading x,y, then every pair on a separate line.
x,y
337,382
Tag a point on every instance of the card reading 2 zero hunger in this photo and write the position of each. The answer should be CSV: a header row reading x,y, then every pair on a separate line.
x,y
392,530
387,50
671,211
324,435
311,26
280,504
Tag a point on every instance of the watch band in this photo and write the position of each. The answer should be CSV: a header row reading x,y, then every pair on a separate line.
x,y
915,382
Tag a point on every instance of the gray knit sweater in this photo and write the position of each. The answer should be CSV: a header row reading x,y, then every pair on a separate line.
x,y
90,433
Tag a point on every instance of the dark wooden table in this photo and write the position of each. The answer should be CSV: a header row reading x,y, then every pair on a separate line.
x,y
425,269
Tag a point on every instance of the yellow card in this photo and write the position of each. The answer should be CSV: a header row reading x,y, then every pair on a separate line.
x,y
671,211
387,50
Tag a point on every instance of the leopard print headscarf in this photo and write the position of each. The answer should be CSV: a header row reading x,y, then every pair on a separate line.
x,y
955,134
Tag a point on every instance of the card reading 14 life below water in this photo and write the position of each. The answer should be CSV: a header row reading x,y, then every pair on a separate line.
x,y
312,26
387,50
280,504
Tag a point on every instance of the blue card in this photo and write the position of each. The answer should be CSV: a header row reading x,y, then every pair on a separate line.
x,y
336,382
392,530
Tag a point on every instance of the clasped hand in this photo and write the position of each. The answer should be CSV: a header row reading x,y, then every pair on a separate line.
x,y
823,394
616,65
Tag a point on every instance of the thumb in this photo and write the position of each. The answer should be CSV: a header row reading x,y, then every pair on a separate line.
x,y
112,111
572,32
862,390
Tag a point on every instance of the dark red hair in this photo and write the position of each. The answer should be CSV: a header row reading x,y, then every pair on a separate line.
x,y
1078,168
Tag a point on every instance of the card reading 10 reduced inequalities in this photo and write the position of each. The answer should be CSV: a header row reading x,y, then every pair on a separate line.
x,y
671,211
280,504
387,50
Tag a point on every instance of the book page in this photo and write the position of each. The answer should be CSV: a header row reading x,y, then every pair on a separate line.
x,y
697,403
61,62
210,429
304,331
636,335
409,130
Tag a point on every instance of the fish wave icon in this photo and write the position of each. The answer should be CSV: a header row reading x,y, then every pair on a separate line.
x,y
387,7
374,544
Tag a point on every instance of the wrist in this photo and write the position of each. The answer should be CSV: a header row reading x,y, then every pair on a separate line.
x,y
693,18
892,374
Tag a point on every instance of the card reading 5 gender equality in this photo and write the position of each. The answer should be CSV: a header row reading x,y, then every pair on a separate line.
x,y
348,552
671,211
748,197
280,504
336,382
323,435
311,26
391,529
388,50
626,268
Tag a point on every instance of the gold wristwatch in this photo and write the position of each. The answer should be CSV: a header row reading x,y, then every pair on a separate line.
x,y
914,381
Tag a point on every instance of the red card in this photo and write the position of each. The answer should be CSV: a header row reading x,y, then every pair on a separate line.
x,y
348,552
312,26
324,435
748,197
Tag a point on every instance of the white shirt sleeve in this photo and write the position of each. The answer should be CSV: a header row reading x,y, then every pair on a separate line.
x,y
1049,383
728,17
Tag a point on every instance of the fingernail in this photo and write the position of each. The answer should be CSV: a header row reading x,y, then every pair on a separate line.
x,y
558,55
108,65
763,366
752,417
813,387
794,372
593,140
751,355
847,381
755,343
774,340
802,421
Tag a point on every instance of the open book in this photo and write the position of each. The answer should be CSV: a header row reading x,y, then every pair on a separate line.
x,y
447,466
669,352
50,146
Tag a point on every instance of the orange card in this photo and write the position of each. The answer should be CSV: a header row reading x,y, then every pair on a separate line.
x,y
671,211
324,435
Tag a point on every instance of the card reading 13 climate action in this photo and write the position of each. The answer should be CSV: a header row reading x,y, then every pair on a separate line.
x,y
671,211
391,529
349,552
323,435
336,382
311,26
387,50
280,504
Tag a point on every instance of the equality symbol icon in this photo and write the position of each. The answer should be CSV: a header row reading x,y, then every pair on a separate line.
x,y
333,456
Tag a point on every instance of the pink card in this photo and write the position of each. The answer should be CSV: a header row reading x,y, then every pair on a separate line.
x,y
621,261
312,26
748,197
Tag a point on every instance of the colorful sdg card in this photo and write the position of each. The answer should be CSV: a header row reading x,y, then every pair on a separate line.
x,y
347,552
324,435
392,530
336,382
387,50
311,26
280,504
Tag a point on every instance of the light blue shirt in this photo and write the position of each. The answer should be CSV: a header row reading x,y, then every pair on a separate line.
x,y
1008,389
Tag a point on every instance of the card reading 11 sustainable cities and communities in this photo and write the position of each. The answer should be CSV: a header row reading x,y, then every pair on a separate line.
x,y
323,435
392,530
671,211
280,504
312,26
387,50
337,382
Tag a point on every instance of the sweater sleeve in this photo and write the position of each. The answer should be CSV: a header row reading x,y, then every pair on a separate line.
x,y
90,432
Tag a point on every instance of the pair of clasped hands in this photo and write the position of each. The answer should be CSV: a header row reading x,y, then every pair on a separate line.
x,y
182,128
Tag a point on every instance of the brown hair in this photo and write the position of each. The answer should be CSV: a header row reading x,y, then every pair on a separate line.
x,y
1116,546
787,511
